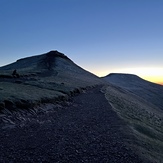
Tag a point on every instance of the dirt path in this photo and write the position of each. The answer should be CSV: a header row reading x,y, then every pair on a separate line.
x,y
85,131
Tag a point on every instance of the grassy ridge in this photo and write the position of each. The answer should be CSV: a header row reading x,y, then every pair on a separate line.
x,y
43,78
38,90
144,119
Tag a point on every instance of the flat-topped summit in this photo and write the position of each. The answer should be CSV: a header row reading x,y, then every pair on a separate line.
x,y
133,83
123,76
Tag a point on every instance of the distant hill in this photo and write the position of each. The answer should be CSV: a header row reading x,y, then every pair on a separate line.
x,y
140,104
150,92
42,78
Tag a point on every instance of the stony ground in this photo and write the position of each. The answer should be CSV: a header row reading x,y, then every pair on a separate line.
x,y
85,130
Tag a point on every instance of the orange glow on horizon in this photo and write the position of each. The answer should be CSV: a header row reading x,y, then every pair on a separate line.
x,y
152,74
157,80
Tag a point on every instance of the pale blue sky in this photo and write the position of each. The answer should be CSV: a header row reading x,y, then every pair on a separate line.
x,y
101,36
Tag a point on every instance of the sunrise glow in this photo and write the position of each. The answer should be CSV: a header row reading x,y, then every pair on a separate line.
x,y
152,74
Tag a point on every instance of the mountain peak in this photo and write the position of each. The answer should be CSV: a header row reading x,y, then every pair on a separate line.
x,y
55,53
45,61
123,78
126,75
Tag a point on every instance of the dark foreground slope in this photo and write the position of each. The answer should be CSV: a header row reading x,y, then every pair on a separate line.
x,y
44,78
85,130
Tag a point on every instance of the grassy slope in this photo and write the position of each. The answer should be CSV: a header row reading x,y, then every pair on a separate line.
x,y
150,92
43,78
144,119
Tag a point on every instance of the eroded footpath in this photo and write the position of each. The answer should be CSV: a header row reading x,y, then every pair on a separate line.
x,y
83,130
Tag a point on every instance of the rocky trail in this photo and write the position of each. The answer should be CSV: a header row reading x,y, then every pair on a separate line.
x,y
83,130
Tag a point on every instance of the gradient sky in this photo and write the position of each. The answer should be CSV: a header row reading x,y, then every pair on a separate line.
x,y
102,36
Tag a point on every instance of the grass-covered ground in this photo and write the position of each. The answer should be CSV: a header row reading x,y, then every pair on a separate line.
x,y
145,121
42,79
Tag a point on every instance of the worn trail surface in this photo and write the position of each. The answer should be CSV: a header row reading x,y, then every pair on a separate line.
x,y
86,130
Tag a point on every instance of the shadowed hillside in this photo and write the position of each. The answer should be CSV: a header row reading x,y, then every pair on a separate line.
x,y
140,104
43,78
44,61
150,92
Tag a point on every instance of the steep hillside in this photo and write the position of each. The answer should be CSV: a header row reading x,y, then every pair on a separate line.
x,y
150,92
42,78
